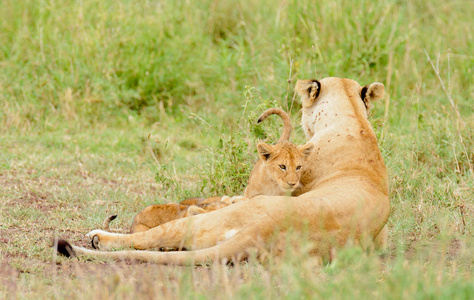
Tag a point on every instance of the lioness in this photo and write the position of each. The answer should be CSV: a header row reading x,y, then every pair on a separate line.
x,y
345,196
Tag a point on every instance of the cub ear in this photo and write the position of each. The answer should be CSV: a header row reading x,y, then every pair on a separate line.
x,y
308,90
372,92
265,151
306,149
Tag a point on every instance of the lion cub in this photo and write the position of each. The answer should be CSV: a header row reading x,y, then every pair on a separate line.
x,y
278,171
157,214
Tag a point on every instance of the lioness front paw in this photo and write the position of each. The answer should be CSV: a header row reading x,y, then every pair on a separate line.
x,y
98,238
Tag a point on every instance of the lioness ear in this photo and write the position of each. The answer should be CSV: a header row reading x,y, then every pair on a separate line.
x,y
194,210
372,92
264,151
308,90
306,149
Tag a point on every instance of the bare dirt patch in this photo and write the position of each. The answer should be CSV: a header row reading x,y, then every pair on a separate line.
x,y
34,199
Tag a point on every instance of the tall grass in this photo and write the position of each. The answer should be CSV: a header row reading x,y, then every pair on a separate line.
x,y
83,83
72,60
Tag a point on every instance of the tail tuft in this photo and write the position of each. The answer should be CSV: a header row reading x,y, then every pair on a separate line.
x,y
64,248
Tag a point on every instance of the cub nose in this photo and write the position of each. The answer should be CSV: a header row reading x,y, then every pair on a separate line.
x,y
291,184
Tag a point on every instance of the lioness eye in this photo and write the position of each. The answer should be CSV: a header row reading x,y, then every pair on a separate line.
x,y
298,167
283,167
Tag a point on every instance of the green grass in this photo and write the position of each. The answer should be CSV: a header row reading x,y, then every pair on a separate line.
x,y
83,84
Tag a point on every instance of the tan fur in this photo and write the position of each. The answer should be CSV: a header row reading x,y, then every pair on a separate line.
x,y
344,194
278,170
158,214
318,118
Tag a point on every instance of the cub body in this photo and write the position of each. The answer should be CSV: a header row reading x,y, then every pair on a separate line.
x,y
157,214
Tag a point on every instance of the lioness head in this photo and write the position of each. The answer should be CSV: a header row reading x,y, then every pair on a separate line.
x,y
327,100
310,89
284,162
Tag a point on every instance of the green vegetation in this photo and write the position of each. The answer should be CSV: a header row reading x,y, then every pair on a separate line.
x,y
83,84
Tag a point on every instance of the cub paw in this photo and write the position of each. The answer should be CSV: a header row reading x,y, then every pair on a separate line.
x,y
237,199
228,200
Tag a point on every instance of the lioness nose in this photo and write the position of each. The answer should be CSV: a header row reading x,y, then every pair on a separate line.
x,y
291,184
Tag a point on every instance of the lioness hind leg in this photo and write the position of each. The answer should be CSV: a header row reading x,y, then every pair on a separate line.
x,y
381,240
168,235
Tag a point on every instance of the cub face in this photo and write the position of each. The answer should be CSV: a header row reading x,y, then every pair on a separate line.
x,y
284,163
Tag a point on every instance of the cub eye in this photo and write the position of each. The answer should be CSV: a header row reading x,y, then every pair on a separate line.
x,y
283,167
298,168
